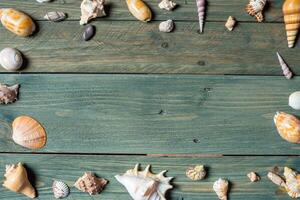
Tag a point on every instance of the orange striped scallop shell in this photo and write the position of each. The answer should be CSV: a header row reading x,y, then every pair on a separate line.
x,y
288,127
17,22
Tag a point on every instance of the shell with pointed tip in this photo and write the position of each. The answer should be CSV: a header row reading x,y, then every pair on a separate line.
x,y
144,185
291,12
60,189
8,94
285,69
91,9
196,173
288,127
276,179
17,180
230,23
11,59
294,100
221,188
17,22
201,13
166,26
55,16
167,5
28,132
255,8
90,183
253,177
139,10
292,180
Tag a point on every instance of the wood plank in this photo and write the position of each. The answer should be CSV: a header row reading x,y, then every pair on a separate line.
x,y
217,10
130,47
139,114
45,168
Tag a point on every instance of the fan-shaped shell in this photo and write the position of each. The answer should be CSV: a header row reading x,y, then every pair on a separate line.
x,y
291,12
288,127
11,59
292,180
28,133
60,189
139,10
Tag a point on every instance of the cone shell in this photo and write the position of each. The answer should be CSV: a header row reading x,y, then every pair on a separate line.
x,y
60,189
285,68
288,127
17,180
139,10
221,188
201,13
17,22
28,133
196,173
291,12
90,183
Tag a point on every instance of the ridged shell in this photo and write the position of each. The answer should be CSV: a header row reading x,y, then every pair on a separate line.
x,y
28,133
11,59
285,69
276,179
60,189
255,8
291,12
167,5
201,13
292,180
253,177
166,26
17,22
8,94
91,9
196,173
221,188
288,127
294,100
139,10
55,16
90,183
230,23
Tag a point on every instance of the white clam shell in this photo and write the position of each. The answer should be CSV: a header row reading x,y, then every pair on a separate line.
x,y
11,59
294,100
60,189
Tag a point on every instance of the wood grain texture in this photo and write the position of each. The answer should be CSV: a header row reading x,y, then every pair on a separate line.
x,y
217,10
133,47
163,114
44,168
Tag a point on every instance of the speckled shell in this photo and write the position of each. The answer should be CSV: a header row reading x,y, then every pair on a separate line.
x,y
11,59
8,94
55,16
28,133
167,5
60,189
291,12
17,22
255,8
221,188
230,23
294,100
288,127
166,26
196,173
285,69
253,177
90,183
139,10
91,9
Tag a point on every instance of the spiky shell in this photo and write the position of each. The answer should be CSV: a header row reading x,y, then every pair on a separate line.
x,y
17,22
91,9
144,185
285,69
8,94
201,13
253,177
60,189
292,182
291,12
294,100
28,132
90,183
221,188
167,5
55,16
139,10
288,127
196,173
255,8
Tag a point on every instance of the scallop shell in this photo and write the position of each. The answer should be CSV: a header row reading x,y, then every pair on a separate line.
x,y
285,69
142,185
55,16
91,9
17,180
167,5
288,127
291,12
11,59
17,22
196,173
201,13
230,23
292,180
294,100
8,94
28,133
60,189
221,188
253,177
139,10
276,179
255,8
166,26
90,183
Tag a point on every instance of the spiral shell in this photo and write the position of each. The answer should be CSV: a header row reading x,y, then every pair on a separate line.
x,y
139,10
196,173
60,189
294,100
253,177
55,16
291,12
90,183
166,26
201,13
167,5
8,94
221,188
91,9
285,69
255,8
11,59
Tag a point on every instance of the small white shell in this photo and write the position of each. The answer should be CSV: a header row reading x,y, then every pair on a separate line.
x,y
166,26
167,5
253,177
43,1
55,16
60,189
11,59
230,23
221,188
294,100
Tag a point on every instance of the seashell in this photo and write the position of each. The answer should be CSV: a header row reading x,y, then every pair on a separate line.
x,y
294,100
55,16
288,127
43,1
221,188
291,12
142,185
28,133
90,183
8,94
91,9
11,59
253,177
17,180
292,181
201,13
60,189
139,10
196,173
167,5
166,26
230,23
17,22
88,33
276,179
255,8
285,69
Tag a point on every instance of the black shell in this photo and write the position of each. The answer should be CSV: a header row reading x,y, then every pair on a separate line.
x,y
89,32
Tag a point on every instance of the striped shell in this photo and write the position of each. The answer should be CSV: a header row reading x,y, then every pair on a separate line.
x,y
291,12
17,22
201,4
285,69
60,189
55,16
28,133
288,127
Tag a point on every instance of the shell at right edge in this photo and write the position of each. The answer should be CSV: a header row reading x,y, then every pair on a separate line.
x,y
28,132
139,10
291,12
294,100
288,127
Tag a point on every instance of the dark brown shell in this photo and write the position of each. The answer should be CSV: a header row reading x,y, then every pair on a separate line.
x,y
8,94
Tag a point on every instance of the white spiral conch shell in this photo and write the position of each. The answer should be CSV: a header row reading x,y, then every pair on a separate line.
x,y
294,100
167,5
285,69
91,9
230,23
11,59
201,13
8,94
144,185
60,189
166,26
221,188
255,8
